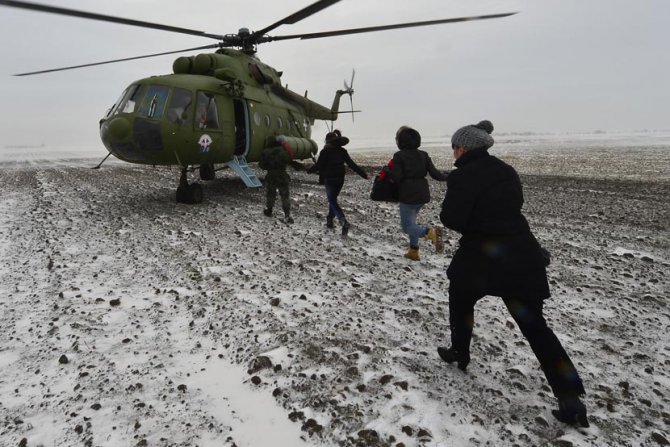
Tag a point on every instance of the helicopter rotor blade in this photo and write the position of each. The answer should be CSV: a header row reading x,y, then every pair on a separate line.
x,y
297,16
216,45
104,18
387,27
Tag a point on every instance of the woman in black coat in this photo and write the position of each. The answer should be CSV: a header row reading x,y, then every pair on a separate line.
x,y
498,255
330,166
409,169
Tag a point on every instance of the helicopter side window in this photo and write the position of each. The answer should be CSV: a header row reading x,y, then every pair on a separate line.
x,y
153,102
280,124
130,99
179,111
207,116
267,120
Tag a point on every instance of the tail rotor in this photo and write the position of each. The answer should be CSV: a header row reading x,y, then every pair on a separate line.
x,y
349,90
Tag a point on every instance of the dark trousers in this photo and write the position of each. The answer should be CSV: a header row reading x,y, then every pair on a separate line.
x,y
271,188
333,187
557,366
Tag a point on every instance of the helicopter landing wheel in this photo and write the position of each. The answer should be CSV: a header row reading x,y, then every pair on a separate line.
x,y
207,172
190,194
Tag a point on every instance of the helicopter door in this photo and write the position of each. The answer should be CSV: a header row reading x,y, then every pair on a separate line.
x,y
241,127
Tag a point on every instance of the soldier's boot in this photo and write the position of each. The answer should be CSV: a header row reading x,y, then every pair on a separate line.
x,y
413,254
287,216
435,236
268,211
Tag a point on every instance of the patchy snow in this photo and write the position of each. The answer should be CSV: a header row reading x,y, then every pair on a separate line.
x,y
212,325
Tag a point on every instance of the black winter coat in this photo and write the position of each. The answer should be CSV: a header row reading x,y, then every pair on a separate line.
x,y
331,162
410,167
497,254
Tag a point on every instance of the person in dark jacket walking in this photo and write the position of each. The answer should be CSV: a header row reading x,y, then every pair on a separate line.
x,y
498,255
330,166
274,159
410,166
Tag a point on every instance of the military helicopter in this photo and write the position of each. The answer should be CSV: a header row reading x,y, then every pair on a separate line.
x,y
220,108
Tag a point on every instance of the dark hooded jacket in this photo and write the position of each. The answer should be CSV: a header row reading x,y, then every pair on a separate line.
x,y
331,161
497,254
410,167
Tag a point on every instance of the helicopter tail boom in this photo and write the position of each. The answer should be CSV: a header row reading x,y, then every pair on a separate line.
x,y
311,109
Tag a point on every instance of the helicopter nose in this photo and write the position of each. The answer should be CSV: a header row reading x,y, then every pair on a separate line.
x,y
119,128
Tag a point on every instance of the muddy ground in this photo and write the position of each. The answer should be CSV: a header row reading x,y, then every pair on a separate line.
x,y
148,300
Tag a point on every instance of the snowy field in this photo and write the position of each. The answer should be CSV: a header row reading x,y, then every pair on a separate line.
x,y
131,320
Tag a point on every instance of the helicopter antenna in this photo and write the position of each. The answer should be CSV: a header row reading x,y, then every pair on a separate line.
x,y
349,90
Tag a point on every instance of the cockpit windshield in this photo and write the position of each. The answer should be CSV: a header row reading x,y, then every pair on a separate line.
x,y
129,100
153,101
145,100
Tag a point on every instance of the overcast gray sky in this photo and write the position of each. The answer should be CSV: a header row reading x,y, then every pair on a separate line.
x,y
557,66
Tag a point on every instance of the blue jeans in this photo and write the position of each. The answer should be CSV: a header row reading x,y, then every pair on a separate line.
x,y
408,214
333,187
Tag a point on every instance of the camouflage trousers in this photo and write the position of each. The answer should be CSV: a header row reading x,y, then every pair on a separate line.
x,y
271,188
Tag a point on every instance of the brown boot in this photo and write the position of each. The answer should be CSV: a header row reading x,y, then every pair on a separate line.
x,y
435,236
413,254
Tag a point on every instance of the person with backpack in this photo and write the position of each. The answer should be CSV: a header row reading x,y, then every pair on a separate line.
x,y
410,166
498,255
274,160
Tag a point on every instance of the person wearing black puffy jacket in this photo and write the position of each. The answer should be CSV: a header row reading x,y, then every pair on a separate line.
x,y
410,166
498,255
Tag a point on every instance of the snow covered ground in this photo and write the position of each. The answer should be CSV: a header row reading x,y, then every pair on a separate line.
x,y
130,320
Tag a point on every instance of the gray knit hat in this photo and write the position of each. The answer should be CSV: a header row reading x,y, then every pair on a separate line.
x,y
474,136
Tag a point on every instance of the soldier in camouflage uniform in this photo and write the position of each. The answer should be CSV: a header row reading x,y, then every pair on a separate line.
x,y
274,160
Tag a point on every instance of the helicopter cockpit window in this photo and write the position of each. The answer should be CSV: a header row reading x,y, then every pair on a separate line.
x,y
153,102
180,108
130,99
115,106
207,116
